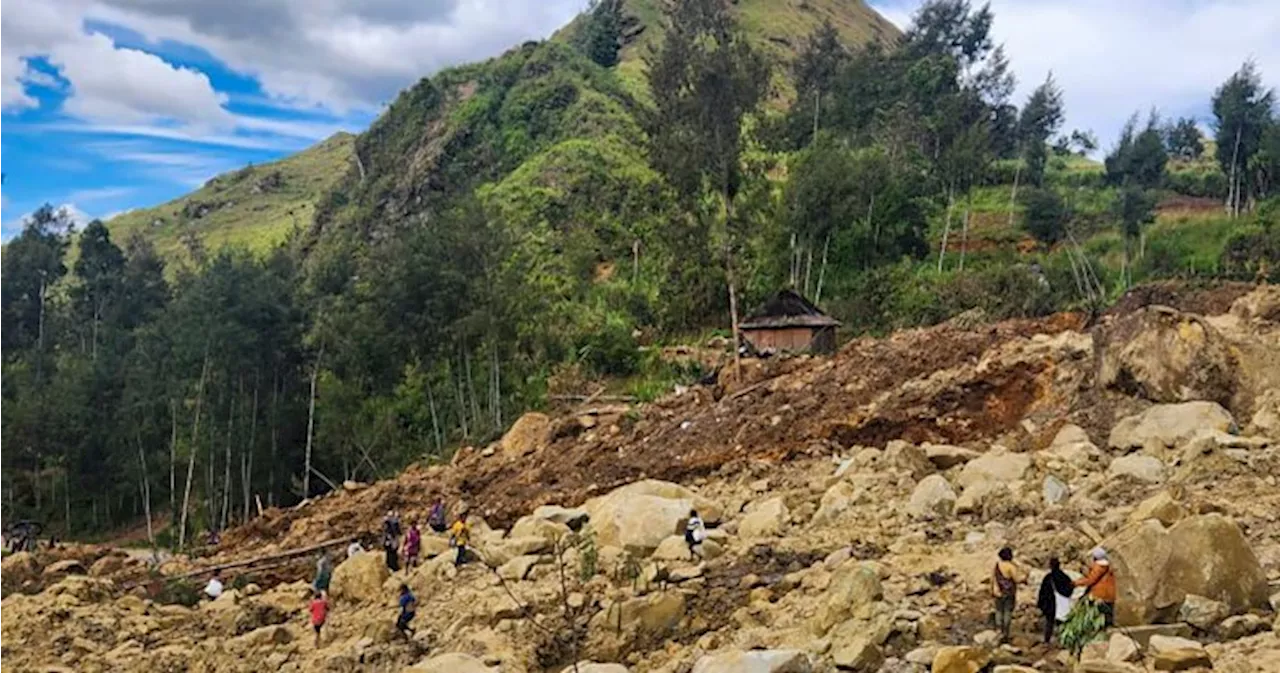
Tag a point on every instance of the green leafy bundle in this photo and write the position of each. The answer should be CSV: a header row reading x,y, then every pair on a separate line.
x,y
1085,623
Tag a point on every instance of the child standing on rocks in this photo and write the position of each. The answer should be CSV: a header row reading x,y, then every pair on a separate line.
x,y
1005,578
319,613
694,533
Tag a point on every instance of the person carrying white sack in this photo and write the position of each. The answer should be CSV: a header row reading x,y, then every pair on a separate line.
x,y
1054,600
694,533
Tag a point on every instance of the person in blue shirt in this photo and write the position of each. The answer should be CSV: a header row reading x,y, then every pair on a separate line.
x,y
408,607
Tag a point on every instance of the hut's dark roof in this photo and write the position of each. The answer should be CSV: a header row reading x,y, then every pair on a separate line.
x,y
788,308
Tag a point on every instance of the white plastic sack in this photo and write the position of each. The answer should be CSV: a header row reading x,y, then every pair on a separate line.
x,y
1061,606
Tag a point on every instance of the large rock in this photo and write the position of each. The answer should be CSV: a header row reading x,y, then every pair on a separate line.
x,y
62,568
857,654
1202,613
901,455
18,568
450,663
764,519
1147,469
535,526
836,501
1266,416
1162,507
960,660
978,496
652,616
998,465
1168,425
853,589
571,517
932,498
945,456
1072,446
360,579
754,661
1204,555
593,667
531,432
641,515
1167,356
498,552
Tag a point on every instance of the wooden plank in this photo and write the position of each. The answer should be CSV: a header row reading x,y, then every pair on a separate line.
x,y
302,551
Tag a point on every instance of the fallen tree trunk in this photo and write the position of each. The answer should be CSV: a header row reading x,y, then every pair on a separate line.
x,y
302,551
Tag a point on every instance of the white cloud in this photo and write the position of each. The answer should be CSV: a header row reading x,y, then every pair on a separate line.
x,y
1116,58
99,194
342,54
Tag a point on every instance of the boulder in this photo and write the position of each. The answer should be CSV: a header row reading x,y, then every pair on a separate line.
x,y
1168,425
531,432
266,636
62,568
901,455
960,660
517,568
108,565
998,465
571,517
1242,626
857,654
1266,416
642,514
754,661
652,615
1142,635
1202,613
1162,507
854,587
764,519
1072,446
978,495
1147,469
360,579
1167,356
498,552
1122,648
945,456
450,663
1204,555
1055,490
18,568
932,498
1181,659
535,526
836,500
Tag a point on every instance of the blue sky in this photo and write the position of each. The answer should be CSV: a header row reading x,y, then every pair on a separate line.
x,y
115,104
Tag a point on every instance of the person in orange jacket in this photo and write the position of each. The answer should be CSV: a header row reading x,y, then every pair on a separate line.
x,y
1100,585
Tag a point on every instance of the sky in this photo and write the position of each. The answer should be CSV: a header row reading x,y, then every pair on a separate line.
x,y
115,104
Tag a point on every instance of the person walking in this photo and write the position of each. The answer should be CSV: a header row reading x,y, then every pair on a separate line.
x,y
391,547
214,588
324,573
694,533
319,613
412,545
1005,578
460,536
408,608
1054,599
1100,585
437,520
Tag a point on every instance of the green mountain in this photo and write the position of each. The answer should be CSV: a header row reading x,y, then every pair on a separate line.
x,y
253,207
477,124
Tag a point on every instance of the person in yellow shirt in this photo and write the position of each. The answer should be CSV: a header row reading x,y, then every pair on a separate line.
x,y
460,535
1005,578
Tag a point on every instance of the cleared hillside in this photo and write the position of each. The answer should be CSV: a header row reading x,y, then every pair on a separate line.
x,y
254,207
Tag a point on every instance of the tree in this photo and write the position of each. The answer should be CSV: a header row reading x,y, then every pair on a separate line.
x,y
815,70
1183,140
1139,157
99,270
1242,109
600,36
33,263
1045,215
1041,117
1134,208
705,79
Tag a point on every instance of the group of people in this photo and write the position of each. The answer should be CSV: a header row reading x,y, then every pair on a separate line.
x,y
395,541
1056,589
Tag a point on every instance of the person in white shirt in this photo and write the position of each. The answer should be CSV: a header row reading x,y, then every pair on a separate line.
x,y
354,548
694,533
214,588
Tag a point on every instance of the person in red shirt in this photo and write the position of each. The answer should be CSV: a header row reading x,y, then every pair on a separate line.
x,y
319,613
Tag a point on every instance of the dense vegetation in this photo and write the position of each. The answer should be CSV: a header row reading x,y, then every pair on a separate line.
x,y
515,227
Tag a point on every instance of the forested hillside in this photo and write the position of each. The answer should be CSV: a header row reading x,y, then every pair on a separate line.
x,y
537,222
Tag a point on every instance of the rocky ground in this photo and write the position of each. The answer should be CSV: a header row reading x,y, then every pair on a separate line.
x,y
856,505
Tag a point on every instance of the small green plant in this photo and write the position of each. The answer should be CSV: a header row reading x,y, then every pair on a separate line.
x,y
1085,623
588,555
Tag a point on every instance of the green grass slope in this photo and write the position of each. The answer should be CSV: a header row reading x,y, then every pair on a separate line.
x,y
778,27
254,207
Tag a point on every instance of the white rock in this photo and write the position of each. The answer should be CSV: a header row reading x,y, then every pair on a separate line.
x,y
932,498
1146,469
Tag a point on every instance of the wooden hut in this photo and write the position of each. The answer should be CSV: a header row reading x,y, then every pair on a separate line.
x,y
790,323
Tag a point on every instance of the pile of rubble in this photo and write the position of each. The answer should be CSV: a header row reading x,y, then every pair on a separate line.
x,y
851,527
